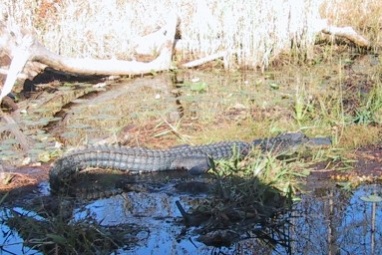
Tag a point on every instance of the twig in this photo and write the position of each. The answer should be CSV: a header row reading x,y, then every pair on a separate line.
x,y
204,60
184,214
15,130
20,57
19,76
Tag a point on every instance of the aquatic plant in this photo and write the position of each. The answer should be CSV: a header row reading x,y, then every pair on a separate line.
x,y
55,235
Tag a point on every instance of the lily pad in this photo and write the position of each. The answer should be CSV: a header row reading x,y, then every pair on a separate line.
x,y
372,198
274,85
44,156
198,87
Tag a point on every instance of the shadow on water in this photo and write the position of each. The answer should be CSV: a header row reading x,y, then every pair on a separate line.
x,y
144,217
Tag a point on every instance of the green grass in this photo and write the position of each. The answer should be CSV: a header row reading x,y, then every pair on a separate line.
x,y
253,191
369,112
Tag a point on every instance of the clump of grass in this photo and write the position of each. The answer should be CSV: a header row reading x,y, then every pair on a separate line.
x,y
302,105
254,190
267,168
355,136
370,110
251,196
55,235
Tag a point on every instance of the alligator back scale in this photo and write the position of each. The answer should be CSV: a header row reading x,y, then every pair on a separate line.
x,y
195,159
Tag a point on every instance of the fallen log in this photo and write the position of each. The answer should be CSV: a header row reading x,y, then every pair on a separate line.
x,y
29,49
345,32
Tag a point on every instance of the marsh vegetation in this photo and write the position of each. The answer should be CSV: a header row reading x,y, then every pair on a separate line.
x,y
317,85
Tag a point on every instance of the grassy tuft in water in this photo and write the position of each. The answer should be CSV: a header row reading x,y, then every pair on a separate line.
x,y
254,190
54,235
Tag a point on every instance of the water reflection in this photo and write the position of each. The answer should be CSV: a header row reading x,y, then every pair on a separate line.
x,y
334,221
327,221
11,241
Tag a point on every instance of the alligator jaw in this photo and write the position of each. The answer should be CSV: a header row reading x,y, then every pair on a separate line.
x,y
288,142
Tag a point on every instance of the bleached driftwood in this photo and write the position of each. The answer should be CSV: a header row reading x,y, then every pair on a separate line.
x,y
31,70
348,33
29,49
161,41
21,55
20,76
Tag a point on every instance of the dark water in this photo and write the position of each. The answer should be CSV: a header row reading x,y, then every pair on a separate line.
x,y
326,221
333,221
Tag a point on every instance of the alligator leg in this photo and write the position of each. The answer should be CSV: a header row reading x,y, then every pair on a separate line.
x,y
195,165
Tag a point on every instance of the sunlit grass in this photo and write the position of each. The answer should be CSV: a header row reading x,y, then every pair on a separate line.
x,y
252,33
255,189
370,110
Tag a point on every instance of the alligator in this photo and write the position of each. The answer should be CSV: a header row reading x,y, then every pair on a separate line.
x,y
194,159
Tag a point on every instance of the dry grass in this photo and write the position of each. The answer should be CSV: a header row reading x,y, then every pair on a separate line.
x,y
106,29
256,31
356,136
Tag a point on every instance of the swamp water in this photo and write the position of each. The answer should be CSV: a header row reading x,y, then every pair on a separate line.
x,y
327,220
